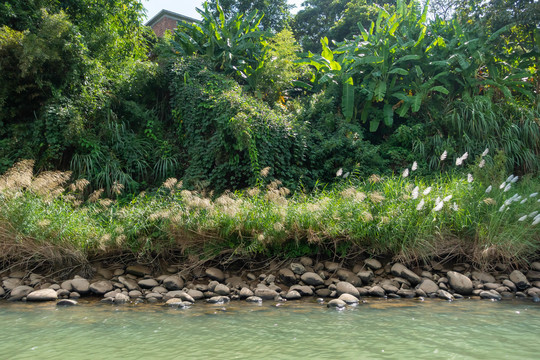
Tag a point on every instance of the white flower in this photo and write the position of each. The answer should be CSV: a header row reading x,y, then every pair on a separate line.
x,y
488,190
447,198
533,194
515,179
510,178
414,166
502,185
346,175
339,172
501,209
485,152
438,207
427,191
438,200
536,221
405,173
533,214
522,218
454,207
414,194
538,200
420,205
464,156
482,163
523,201
507,187
443,156
459,161
470,178
508,202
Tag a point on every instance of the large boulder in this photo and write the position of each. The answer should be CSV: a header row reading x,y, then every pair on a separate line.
x,y
130,284
310,278
173,283
402,271
20,291
519,279
215,274
344,287
287,277
80,285
42,295
482,277
428,286
266,294
373,264
101,287
460,283
298,268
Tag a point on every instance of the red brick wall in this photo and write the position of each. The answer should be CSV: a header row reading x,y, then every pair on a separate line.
x,y
164,24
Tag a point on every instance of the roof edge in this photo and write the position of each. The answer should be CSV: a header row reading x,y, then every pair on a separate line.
x,y
171,14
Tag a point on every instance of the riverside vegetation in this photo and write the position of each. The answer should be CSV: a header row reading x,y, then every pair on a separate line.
x,y
222,141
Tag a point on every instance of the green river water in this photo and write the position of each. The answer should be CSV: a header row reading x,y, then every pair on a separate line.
x,y
379,329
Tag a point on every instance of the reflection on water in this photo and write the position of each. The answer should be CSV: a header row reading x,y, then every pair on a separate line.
x,y
392,329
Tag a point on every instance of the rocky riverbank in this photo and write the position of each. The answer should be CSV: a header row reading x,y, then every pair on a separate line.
x,y
335,283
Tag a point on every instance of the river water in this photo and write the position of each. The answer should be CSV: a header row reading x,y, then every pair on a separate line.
x,y
378,329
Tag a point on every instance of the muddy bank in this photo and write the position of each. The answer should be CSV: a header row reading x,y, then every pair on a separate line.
x,y
335,283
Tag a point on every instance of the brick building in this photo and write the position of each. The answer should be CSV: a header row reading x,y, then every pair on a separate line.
x,y
167,20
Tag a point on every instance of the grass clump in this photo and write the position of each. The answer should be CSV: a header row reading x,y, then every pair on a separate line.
x,y
404,216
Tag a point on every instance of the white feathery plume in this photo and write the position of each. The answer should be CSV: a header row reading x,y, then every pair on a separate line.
x,y
470,178
536,221
339,172
454,207
507,187
482,163
485,152
522,218
523,201
446,199
489,188
502,185
414,166
443,156
533,194
501,209
405,173
414,194
438,200
515,179
510,178
533,214
464,156
427,191
459,161
420,205
438,207
346,175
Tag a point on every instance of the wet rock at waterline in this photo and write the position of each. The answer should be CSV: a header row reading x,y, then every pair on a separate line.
x,y
66,302
519,279
491,294
349,299
20,292
42,295
254,299
266,294
293,295
337,304
445,295
344,287
460,283
428,286
80,285
101,287
310,278
173,283
218,300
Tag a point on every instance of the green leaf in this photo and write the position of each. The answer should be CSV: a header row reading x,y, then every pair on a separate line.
x,y
402,110
417,102
380,90
440,89
407,58
399,71
374,125
347,101
388,115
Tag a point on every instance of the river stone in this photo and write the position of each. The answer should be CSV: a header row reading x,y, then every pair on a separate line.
x,y
354,280
366,276
460,283
491,286
67,285
535,266
135,294
138,270
402,271
373,264
337,303
62,293
66,302
11,283
266,294
533,275
215,274
445,295
74,295
331,266
121,298
154,295
344,287
510,285
179,294
519,279
287,277
2,292
245,293
324,292
195,294
343,274
310,278
349,299
105,273
389,288
173,283
297,268
236,282
428,286
254,299
42,295
130,284
148,283
80,285
293,295
53,286
221,289
175,302
482,276
302,289
218,300
101,287
377,291
491,294
304,260
406,293
20,291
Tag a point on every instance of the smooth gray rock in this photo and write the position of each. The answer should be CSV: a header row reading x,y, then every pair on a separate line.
x,y
406,293
74,295
66,302
20,291
62,293
101,287
324,292
377,291
293,295
304,260
120,298
135,294
67,285
175,302
366,276
331,266
130,284
389,288
491,294
245,293
510,285
80,285
105,273
154,295
42,295
445,295
535,266
533,275
460,283
2,292
254,299
147,283
287,277
344,287
218,300
221,289
266,294
215,274
310,278
297,268
428,286
138,270
173,283
402,271
482,276
337,304
304,290
179,294
195,294
373,264
107,300
519,279
349,299
11,283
